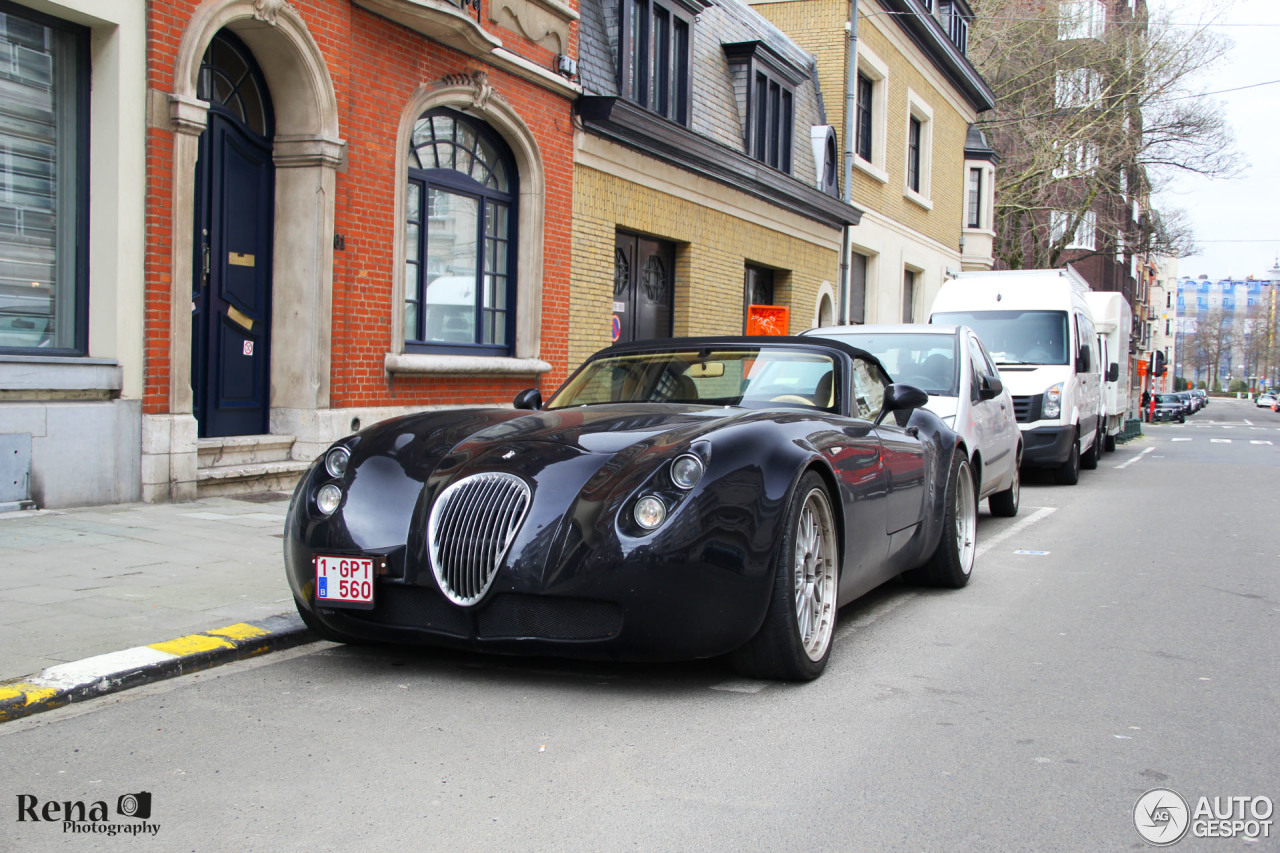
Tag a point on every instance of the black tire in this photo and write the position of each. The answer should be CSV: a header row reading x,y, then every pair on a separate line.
x,y
1109,443
951,564
806,579
1089,459
1005,503
1068,473
319,628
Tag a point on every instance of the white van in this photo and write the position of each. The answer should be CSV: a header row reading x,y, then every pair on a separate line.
x,y
1113,321
1039,330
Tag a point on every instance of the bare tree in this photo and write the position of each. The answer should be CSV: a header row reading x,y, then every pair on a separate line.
x,y
1209,343
1092,115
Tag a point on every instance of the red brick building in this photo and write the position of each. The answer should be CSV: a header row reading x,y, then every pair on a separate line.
x,y
298,158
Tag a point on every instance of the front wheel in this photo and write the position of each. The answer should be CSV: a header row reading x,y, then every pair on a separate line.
x,y
1068,473
1005,503
794,642
951,564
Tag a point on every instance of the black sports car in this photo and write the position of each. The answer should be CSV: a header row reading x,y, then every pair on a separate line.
x,y
674,499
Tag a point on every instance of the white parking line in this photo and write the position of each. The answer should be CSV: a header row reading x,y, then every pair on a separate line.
x,y
1135,459
1259,442
1180,439
1220,441
1014,529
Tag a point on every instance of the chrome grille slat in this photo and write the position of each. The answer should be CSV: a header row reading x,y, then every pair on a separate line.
x,y
471,526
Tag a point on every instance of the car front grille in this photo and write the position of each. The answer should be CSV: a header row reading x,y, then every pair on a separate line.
x,y
1027,409
511,617
471,528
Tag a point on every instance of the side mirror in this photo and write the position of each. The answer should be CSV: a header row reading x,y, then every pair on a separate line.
x,y
529,398
990,387
1084,362
901,399
1113,372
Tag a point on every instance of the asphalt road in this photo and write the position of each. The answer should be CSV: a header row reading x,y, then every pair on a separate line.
x,y
1118,636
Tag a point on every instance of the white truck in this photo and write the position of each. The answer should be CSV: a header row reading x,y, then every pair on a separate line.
x,y
1038,327
1113,321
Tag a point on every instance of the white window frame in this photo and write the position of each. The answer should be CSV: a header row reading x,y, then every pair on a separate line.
x,y
1086,233
1076,159
1079,19
920,110
1076,87
877,71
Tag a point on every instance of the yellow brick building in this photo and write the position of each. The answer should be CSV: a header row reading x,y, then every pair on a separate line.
x,y
694,200
915,98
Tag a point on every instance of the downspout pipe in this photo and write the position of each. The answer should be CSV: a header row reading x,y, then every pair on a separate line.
x,y
850,115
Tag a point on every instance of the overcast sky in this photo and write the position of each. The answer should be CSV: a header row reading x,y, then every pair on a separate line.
x,y
1237,221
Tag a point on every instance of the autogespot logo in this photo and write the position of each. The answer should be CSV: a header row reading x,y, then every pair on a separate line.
x,y
1161,816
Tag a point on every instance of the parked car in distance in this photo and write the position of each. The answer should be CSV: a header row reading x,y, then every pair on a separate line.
x,y
678,498
965,390
1038,328
1189,404
1169,407
1203,395
1265,400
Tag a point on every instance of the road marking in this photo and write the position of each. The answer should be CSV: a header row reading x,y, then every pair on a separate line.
x,y
1135,459
1220,441
1248,422
1259,442
1181,439
1014,529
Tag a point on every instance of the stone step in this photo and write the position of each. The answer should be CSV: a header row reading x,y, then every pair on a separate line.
x,y
280,476
238,450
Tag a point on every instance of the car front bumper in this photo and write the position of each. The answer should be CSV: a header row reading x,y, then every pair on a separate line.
x,y
1047,447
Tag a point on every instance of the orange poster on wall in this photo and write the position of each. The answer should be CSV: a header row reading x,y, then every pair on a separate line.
x,y
768,320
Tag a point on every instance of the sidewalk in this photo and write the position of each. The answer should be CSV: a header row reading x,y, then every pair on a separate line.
x,y
78,584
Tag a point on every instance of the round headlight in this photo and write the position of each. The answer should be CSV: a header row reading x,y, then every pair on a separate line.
x,y
335,461
649,512
328,497
686,471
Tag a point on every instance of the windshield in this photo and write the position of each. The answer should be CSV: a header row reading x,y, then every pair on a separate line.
x,y
927,361
1016,337
753,377
1171,399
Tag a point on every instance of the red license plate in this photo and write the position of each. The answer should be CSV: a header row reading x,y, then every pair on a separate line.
x,y
344,581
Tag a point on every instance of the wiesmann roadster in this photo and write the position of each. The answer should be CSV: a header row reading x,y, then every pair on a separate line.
x,y
673,499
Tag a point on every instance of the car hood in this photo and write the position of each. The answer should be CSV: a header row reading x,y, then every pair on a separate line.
x,y
943,407
603,429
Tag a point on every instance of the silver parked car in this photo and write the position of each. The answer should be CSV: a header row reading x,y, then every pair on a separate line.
x,y
965,390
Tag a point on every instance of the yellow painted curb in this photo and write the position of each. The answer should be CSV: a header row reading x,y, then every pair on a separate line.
x,y
239,631
192,644
29,693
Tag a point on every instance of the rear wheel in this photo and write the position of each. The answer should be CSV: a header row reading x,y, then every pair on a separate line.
x,y
952,562
1089,460
794,642
1109,443
1068,473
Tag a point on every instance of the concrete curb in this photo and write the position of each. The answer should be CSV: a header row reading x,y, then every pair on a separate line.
x,y
110,673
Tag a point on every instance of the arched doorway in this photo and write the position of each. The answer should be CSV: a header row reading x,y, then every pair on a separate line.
x,y
234,221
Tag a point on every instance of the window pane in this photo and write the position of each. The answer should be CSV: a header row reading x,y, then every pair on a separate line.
x,y
680,73
38,191
449,302
661,60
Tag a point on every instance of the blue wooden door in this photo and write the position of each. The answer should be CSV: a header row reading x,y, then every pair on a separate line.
x,y
234,220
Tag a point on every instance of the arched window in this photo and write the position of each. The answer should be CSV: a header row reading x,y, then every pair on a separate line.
x,y
460,238
231,82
